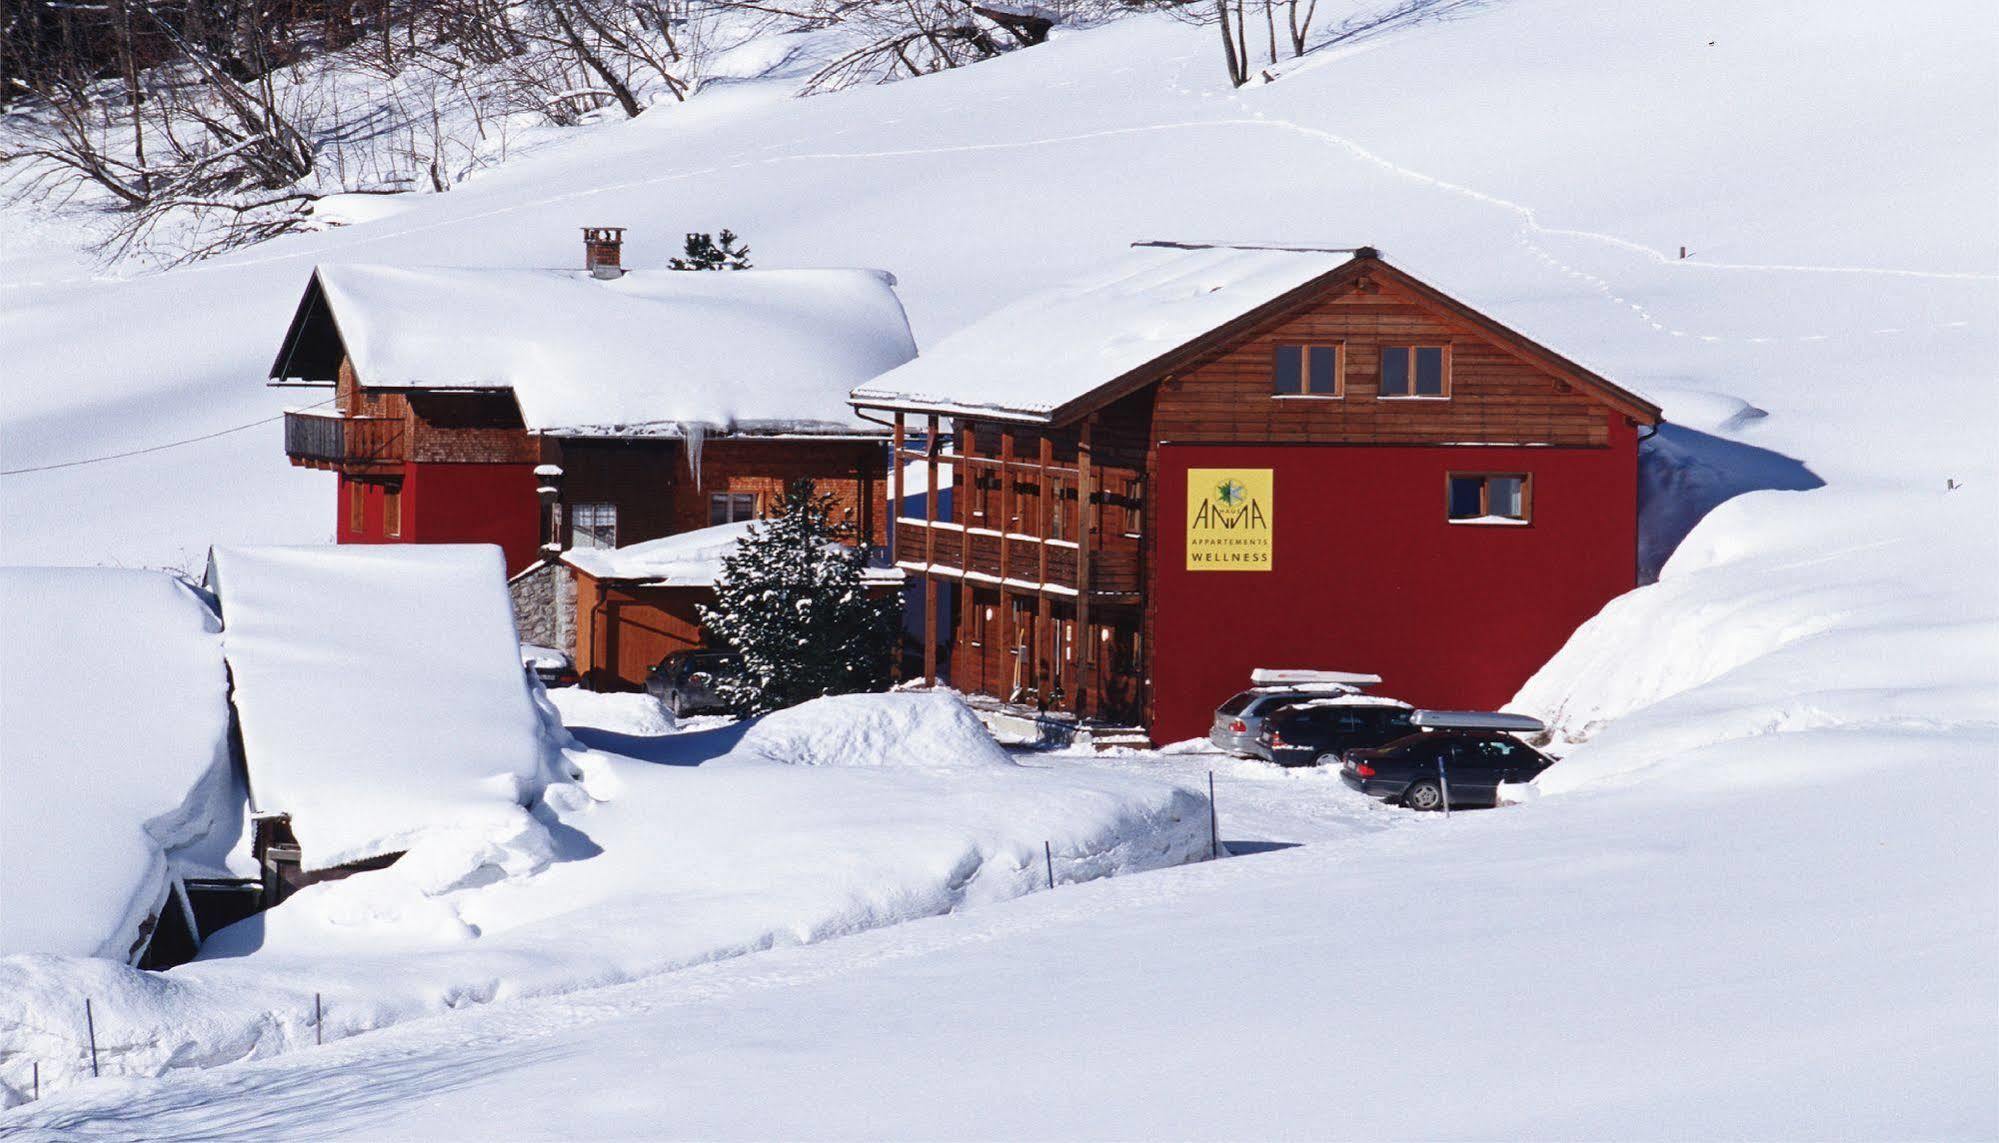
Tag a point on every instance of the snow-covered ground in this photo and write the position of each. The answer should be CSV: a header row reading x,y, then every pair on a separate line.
x,y
833,817
1668,961
1759,897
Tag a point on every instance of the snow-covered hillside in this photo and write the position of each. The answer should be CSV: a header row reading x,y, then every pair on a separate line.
x,y
1759,896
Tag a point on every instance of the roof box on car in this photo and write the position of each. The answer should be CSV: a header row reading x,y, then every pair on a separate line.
x,y
1271,677
1476,720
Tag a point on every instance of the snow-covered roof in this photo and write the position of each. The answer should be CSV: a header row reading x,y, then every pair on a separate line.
x,y
379,690
1056,346
114,752
652,352
1038,359
685,559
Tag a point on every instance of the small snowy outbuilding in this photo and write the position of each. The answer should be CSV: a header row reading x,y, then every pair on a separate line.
x,y
115,776
636,605
380,696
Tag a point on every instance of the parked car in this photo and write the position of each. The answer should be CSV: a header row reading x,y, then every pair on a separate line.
x,y
1240,720
684,682
553,667
1473,765
1318,731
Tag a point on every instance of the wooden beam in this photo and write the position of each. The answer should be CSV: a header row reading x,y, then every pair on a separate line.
x,y
1046,504
1005,523
930,584
895,489
1086,645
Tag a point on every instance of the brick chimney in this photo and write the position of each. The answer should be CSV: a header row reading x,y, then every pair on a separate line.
x,y
603,251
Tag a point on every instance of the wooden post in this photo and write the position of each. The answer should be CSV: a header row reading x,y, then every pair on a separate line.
x,y
1044,616
930,556
894,487
1086,649
1006,504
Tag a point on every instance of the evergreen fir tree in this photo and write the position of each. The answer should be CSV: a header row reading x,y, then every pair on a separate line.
x,y
791,603
705,252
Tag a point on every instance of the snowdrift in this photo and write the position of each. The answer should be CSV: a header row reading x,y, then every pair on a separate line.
x,y
909,731
114,753
380,693
633,869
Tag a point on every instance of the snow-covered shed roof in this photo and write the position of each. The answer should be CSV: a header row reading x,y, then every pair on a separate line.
x,y
688,559
648,353
379,690
114,753
1055,354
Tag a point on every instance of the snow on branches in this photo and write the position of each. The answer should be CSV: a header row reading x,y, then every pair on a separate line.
x,y
793,604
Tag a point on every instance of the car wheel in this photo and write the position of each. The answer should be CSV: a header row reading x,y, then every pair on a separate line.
x,y
1424,795
1328,759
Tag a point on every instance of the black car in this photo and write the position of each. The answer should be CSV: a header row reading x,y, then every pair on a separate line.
x,y
684,682
1319,731
1415,771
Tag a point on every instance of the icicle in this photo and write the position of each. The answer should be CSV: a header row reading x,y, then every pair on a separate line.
x,y
694,432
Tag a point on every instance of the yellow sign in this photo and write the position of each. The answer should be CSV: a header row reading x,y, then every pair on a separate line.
x,y
1228,519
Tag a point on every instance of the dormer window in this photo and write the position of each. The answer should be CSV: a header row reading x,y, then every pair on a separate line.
x,y
1309,371
1415,371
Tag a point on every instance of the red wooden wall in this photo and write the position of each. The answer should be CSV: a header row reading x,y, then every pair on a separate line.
x,y
1368,575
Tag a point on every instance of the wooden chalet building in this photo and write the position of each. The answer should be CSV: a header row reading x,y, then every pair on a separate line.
x,y
545,410
1206,460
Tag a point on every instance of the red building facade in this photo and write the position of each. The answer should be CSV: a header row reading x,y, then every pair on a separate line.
x,y
1347,469
540,410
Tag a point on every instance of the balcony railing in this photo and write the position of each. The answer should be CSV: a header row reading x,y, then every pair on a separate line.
x,y
955,551
330,440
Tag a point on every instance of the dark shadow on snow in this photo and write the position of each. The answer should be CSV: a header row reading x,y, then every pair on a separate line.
x,y
689,749
1245,848
1683,474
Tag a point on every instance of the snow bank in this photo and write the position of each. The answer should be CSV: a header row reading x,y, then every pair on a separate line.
x,y
739,350
1756,627
911,731
620,711
380,693
114,752
633,869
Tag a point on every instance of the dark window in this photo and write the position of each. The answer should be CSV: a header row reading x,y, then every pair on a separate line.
x,y
729,507
1307,371
1429,372
1488,497
1325,370
1414,371
1239,703
1290,371
1394,372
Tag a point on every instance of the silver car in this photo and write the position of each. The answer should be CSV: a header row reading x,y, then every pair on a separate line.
x,y
1239,721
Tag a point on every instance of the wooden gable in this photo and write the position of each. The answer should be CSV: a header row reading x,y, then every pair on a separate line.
x,y
1503,387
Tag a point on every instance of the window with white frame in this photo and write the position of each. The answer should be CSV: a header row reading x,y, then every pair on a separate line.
x,y
729,507
593,524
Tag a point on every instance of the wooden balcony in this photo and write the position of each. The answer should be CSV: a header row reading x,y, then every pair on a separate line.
x,y
954,551
346,444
